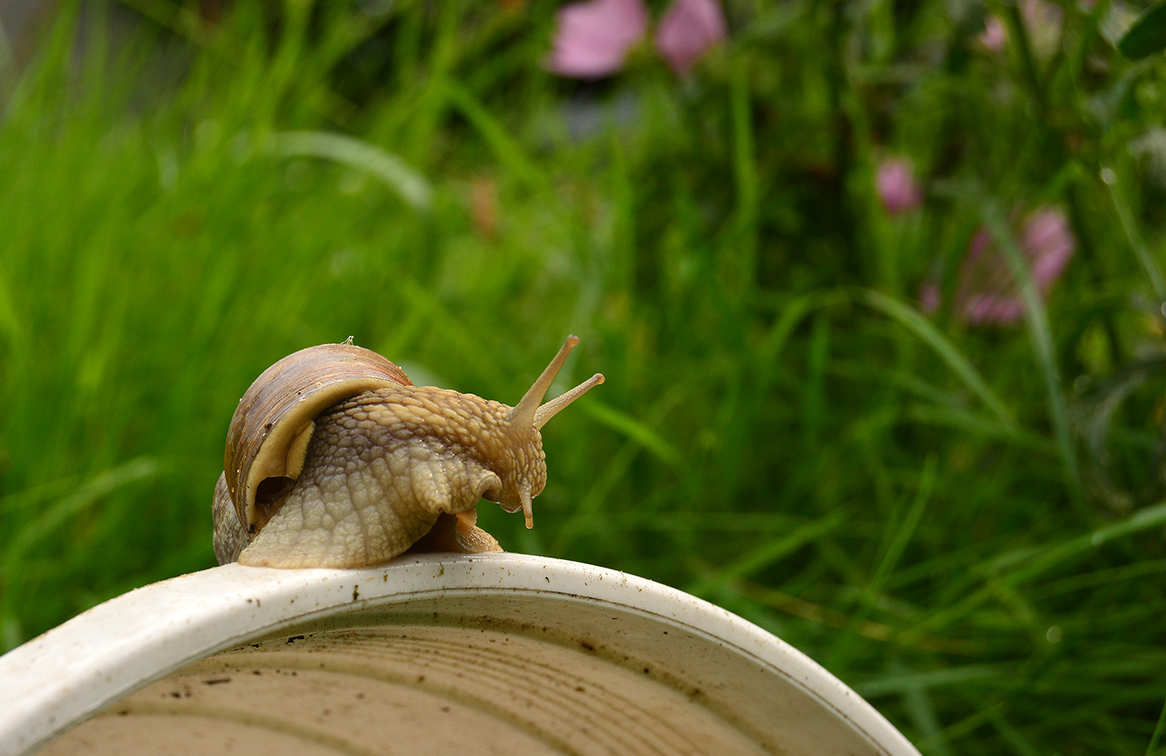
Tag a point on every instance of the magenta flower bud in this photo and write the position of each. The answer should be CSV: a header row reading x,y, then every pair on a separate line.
x,y
930,298
896,186
1042,20
593,38
995,36
687,30
987,293
1048,244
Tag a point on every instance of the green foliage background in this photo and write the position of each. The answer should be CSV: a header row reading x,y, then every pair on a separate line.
x,y
964,524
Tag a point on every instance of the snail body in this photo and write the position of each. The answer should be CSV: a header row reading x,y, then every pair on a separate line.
x,y
335,459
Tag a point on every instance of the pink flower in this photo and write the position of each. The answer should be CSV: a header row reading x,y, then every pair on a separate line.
x,y
594,37
687,30
986,292
929,297
994,36
896,186
1048,243
1042,20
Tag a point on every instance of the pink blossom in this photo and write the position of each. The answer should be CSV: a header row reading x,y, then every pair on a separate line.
x,y
1048,243
986,292
687,30
994,36
1042,20
896,186
929,297
594,37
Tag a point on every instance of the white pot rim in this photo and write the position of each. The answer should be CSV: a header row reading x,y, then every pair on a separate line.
x,y
70,673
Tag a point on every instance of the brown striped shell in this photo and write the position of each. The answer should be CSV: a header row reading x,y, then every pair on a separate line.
x,y
273,423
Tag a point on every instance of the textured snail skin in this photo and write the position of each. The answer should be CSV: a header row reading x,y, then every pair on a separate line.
x,y
384,465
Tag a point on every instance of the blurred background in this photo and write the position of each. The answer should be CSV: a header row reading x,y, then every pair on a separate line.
x,y
876,285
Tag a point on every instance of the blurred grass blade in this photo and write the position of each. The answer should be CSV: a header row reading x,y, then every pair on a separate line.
x,y
1008,732
68,507
905,529
1046,559
599,495
9,324
1143,519
766,554
1039,561
33,496
936,679
1037,319
507,150
1153,271
1153,749
972,423
390,169
1028,563
813,401
900,535
635,430
744,253
792,314
878,631
921,708
1147,36
930,335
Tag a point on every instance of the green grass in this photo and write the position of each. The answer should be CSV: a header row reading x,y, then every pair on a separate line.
x,y
963,523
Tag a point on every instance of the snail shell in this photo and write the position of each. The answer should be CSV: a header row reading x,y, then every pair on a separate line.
x,y
335,459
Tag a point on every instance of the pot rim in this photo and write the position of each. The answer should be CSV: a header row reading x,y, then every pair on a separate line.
x,y
63,677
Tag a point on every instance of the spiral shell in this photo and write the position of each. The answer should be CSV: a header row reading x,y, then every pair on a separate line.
x,y
273,423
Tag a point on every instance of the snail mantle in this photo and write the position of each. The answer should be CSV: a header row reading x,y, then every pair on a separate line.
x,y
434,653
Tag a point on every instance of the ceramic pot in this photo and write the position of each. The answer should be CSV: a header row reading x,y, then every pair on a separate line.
x,y
432,654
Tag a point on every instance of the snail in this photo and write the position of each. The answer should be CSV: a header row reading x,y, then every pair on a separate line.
x,y
335,459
